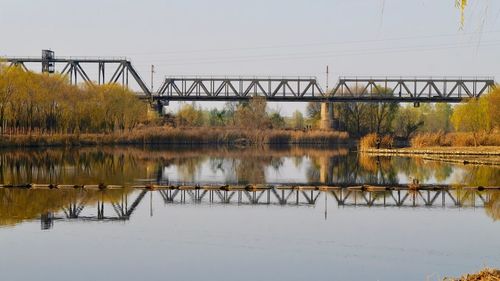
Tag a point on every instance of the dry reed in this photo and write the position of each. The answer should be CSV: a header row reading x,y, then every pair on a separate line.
x,y
454,139
181,136
376,141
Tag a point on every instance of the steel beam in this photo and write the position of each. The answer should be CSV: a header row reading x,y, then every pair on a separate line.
x,y
278,89
74,69
355,89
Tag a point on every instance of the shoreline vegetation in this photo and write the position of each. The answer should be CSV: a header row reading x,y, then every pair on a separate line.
x,y
437,150
456,148
486,274
38,110
489,155
182,137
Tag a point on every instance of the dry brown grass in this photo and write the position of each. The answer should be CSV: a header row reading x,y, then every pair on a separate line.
x,y
375,141
182,136
454,139
318,137
487,274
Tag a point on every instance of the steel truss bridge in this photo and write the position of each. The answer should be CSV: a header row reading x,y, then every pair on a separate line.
x,y
119,211
77,70
279,89
348,89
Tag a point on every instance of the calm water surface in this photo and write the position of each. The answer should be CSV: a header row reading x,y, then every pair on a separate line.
x,y
272,235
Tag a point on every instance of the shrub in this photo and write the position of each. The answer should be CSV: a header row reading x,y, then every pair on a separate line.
x,y
455,139
376,141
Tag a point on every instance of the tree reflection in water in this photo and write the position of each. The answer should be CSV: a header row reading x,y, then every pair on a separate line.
x,y
387,169
493,206
18,205
126,166
251,165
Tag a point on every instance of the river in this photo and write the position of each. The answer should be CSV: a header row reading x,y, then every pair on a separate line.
x,y
273,234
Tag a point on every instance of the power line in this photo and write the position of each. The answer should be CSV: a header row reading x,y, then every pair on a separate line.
x,y
292,56
313,44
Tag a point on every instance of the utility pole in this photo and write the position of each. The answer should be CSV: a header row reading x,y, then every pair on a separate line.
x,y
152,74
327,77
326,108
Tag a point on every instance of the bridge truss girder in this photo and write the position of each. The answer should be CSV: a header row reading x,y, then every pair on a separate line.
x,y
76,70
284,89
343,197
307,89
438,89
238,88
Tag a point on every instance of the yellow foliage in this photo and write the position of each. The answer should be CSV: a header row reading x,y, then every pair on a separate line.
x,y
17,206
493,101
461,4
188,115
253,115
478,116
42,103
376,141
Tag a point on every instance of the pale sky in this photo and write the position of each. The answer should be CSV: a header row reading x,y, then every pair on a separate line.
x,y
263,37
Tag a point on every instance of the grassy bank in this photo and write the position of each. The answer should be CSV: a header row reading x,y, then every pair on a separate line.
x,y
438,150
487,274
456,148
455,140
454,144
181,136
457,155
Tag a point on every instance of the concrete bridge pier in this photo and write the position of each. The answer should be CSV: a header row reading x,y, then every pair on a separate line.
x,y
325,169
326,122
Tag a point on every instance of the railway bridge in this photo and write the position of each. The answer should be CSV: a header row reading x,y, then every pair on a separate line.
x,y
414,90
121,210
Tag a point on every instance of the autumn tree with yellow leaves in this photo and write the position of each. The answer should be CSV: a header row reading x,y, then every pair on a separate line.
x,y
47,104
478,116
461,4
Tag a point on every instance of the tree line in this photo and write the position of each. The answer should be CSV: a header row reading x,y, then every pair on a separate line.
x,y
473,116
253,114
48,104
358,119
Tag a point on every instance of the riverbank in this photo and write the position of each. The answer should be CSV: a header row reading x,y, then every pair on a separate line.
x,y
487,155
487,274
437,150
181,136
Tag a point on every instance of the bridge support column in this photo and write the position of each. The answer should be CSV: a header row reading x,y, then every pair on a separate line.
x,y
159,106
326,122
325,169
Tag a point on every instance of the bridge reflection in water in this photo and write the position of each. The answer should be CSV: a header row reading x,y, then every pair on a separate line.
x,y
122,210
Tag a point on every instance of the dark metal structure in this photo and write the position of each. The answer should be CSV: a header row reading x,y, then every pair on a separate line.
x,y
120,210
341,196
348,89
238,88
48,66
280,89
76,69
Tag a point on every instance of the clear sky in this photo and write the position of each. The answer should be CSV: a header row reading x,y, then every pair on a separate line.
x,y
263,37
